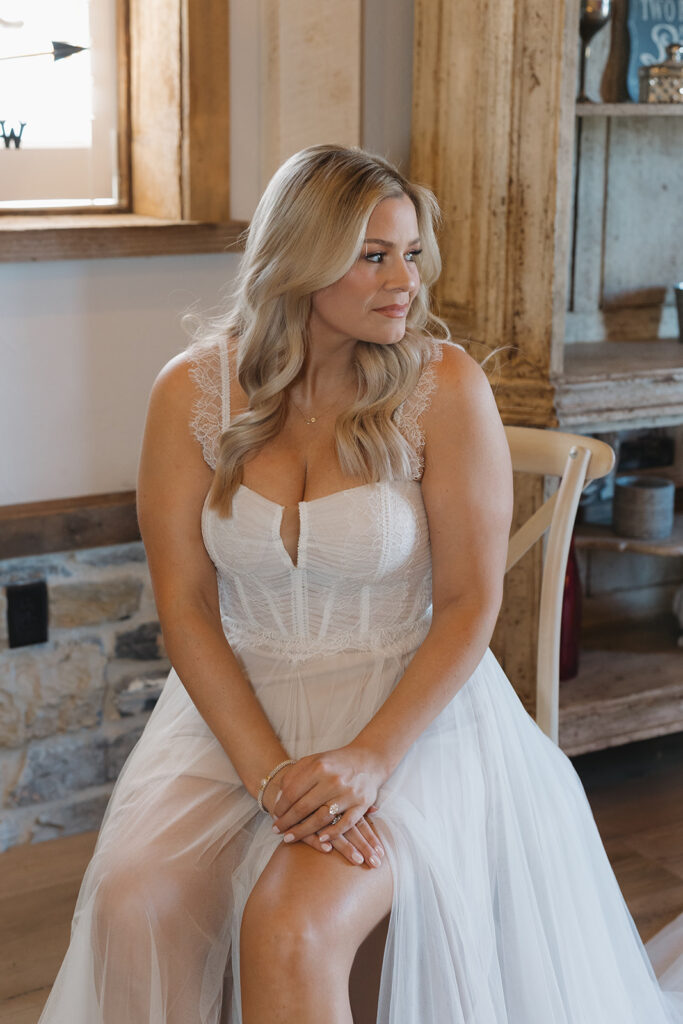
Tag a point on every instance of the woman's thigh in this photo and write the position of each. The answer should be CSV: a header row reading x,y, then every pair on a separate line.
x,y
160,894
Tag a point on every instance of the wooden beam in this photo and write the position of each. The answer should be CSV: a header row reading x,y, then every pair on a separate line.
x,y
89,236
156,107
123,102
205,111
66,524
180,109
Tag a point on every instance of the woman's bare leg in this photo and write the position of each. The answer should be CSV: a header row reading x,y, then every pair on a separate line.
x,y
162,903
302,925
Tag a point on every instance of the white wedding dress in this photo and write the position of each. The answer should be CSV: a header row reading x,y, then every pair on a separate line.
x,y
505,908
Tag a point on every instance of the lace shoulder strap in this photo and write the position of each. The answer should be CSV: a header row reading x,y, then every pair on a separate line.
x,y
409,413
211,408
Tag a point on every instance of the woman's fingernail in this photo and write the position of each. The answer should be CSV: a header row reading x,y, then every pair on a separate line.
x,y
289,838
374,861
357,857
276,829
326,847
379,850
323,839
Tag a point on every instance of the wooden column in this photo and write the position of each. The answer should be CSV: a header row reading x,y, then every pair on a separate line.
x,y
312,76
180,118
488,81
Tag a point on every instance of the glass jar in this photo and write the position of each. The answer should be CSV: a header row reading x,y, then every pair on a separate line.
x,y
663,83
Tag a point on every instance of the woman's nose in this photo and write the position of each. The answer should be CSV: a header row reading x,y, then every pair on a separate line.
x,y
401,276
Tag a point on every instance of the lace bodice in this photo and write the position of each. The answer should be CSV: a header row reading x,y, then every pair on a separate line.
x,y
362,578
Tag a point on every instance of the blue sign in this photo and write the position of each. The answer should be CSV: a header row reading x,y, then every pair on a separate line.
x,y
652,25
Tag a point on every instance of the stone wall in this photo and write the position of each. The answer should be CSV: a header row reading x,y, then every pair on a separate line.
x,y
72,708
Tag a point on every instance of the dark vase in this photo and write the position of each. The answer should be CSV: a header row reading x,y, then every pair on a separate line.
x,y
570,633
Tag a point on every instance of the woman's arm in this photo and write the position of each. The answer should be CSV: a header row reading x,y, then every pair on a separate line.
x,y
467,492
173,480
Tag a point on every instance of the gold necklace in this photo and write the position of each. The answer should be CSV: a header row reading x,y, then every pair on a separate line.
x,y
310,419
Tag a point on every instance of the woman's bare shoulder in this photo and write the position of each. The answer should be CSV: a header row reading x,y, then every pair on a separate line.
x,y
461,385
190,375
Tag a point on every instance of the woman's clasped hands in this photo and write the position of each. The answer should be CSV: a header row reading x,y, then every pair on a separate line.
x,y
323,800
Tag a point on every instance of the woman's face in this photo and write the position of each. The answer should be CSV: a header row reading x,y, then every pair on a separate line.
x,y
371,301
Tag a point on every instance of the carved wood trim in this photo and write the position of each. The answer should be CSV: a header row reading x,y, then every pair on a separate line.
x,y
608,384
67,524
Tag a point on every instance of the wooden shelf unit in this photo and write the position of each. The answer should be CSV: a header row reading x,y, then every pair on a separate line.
x,y
590,536
629,687
612,384
629,109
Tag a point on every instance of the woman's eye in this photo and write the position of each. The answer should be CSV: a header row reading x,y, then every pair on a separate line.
x,y
412,254
374,257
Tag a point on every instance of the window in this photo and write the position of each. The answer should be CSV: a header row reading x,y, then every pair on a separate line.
x,y
59,103
174,71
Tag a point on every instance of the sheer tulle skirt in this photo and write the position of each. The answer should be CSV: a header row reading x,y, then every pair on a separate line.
x,y
505,910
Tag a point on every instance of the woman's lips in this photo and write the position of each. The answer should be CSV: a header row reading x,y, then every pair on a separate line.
x,y
393,311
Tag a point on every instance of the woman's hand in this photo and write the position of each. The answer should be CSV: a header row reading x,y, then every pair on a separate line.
x,y
360,845
347,778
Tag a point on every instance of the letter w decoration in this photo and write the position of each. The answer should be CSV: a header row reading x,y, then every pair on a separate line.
x,y
13,136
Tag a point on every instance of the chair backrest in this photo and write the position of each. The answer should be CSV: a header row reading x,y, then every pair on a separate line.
x,y
576,460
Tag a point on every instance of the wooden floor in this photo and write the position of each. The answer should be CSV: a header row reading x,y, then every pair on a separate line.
x,y
636,793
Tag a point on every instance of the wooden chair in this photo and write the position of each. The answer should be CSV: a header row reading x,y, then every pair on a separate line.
x,y
576,460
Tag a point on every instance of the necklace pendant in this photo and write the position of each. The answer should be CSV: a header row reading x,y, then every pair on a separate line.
x,y
312,419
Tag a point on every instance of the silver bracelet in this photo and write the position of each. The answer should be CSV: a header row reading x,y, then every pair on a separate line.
x,y
269,778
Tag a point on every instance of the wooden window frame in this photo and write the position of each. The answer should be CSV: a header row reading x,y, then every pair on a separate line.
x,y
175,160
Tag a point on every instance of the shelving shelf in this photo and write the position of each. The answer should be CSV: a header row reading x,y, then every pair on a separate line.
x,y
590,537
613,384
629,687
629,109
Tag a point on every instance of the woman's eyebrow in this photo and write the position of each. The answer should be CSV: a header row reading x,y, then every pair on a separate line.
x,y
389,245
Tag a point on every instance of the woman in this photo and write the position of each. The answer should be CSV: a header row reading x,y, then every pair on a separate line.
x,y
327,565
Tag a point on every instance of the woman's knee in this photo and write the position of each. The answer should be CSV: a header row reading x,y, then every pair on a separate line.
x,y
285,935
133,894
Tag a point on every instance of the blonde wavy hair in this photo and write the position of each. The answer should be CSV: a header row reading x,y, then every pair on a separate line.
x,y
306,233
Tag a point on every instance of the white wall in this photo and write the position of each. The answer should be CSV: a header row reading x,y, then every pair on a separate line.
x,y
82,340
81,343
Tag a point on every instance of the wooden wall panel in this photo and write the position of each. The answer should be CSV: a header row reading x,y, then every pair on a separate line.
x,y
644,209
312,72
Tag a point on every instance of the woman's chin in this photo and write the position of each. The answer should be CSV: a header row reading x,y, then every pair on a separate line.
x,y
396,333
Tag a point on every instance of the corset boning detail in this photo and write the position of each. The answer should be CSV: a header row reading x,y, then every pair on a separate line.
x,y
362,580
